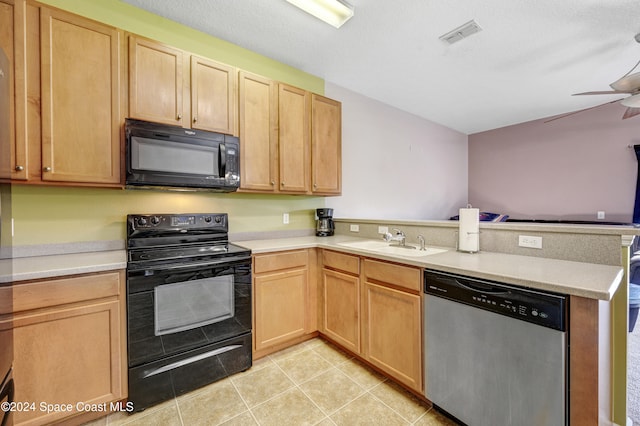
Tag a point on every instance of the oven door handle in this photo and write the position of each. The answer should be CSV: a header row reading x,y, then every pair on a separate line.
x,y
180,266
190,360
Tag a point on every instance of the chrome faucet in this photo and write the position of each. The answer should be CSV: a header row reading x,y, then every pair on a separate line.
x,y
422,243
399,237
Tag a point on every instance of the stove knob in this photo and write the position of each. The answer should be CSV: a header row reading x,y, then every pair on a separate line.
x,y
142,221
155,220
218,219
207,219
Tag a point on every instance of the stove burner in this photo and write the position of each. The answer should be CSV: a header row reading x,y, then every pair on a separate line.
x,y
214,249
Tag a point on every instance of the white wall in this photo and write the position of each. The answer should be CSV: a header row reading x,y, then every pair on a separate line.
x,y
396,165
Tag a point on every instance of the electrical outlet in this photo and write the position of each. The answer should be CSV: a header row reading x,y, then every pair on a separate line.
x,y
383,229
600,215
285,218
529,241
354,228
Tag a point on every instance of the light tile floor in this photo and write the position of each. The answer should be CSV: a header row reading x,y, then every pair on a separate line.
x,y
313,383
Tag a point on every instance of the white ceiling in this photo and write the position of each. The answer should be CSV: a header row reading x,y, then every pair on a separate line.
x,y
525,63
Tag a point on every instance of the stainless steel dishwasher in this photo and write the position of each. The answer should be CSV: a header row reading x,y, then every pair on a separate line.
x,y
495,354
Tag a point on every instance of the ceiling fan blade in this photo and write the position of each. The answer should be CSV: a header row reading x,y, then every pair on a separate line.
x,y
601,92
583,110
631,112
628,83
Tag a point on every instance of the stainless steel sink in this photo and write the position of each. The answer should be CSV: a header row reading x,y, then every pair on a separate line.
x,y
385,248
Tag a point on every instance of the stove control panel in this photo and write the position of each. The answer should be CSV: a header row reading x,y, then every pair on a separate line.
x,y
177,222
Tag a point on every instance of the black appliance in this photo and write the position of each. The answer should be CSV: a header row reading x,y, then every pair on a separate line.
x,y
159,155
188,305
6,323
324,224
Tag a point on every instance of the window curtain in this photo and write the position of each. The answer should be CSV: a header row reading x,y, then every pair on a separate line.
x,y
636,207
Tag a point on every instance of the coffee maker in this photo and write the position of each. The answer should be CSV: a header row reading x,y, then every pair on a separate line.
x,y
324,226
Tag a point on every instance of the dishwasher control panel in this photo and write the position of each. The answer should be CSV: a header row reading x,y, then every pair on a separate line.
x,y
541,308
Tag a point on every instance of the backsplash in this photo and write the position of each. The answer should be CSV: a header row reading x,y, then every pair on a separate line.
x,y
576,243
54,215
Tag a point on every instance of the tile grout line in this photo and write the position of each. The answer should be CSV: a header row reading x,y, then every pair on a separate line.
x,y
387,405
245,404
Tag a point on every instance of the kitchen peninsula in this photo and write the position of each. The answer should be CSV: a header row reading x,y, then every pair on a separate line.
x,y
593,286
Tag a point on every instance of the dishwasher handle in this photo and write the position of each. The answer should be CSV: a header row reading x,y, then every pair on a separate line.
x,y
480,287
445,281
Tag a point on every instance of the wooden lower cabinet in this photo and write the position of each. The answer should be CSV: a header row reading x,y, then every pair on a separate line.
x,y
284,302
374,309
69,346
341,299
392,320
393,332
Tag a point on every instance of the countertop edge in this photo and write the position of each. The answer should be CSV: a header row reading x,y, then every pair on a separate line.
x,y
59,265
452,260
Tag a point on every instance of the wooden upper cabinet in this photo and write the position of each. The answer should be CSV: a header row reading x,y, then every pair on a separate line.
x,y
326,145
257,99
293,138
156,82
213,96
303,155
171,86
13,149
81,102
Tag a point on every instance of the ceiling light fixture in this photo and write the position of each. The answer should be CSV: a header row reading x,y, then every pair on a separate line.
x,y
463,31
333,12
631,101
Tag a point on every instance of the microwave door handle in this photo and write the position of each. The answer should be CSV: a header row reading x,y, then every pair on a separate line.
x,y
222,160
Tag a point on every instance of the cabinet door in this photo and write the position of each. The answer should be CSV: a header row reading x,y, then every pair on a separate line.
x,y
341,308
258,135
293,139
65,356
156,82
81,114
13,151
213,96
280,307
326,145
393,330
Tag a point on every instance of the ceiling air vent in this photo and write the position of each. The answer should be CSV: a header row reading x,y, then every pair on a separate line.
x,y
461,32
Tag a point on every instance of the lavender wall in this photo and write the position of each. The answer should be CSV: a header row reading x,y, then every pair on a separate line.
x,y
396,165
569,168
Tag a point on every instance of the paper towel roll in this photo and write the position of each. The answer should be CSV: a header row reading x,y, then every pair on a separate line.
x,y
469,230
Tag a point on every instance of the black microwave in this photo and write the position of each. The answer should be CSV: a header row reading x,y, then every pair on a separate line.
x,y
164,156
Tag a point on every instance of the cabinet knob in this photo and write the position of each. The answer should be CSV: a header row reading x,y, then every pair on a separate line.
x,y
281,183
179,117
47,169
19,168
272,183
315,185
195,119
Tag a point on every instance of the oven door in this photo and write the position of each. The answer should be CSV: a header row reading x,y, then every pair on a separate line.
x,y
180,307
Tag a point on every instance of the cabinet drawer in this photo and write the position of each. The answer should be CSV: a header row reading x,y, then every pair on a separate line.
x,y
401,276
341,261
42,294
280,260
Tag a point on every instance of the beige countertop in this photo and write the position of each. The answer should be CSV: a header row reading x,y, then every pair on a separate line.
x,y
574,278
37,267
